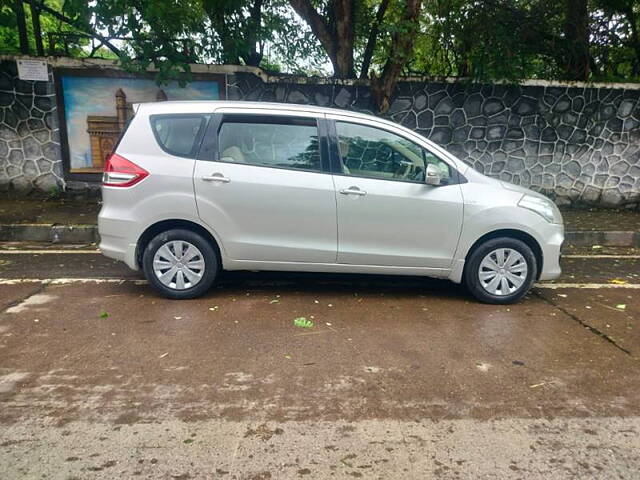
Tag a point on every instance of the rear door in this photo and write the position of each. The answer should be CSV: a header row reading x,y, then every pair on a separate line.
x,y
262,184
387,214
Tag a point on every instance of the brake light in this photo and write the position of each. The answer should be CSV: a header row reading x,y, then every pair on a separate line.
x,y
120,172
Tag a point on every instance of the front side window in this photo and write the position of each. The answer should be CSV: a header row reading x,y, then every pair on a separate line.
x,y
374,153
291,144
178,134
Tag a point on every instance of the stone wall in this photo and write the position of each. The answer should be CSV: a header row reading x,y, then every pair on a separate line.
x,y
576,144
30,156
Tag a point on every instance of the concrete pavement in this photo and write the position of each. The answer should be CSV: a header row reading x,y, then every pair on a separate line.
x,y
398,377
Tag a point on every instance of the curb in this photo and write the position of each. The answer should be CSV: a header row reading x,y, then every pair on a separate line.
x,y
587,238
38,232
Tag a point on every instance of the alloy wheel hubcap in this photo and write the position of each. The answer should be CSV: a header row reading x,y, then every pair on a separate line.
x,y
503,271
178,265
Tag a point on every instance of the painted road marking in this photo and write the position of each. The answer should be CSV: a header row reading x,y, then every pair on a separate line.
x,y
600,256
95,252
63,281
40,252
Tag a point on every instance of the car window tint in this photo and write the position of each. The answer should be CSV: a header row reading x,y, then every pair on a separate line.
x,y
177,134
375,153
278,145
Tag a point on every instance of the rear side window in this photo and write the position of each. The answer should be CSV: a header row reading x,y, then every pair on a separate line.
x,y
179,135
286,143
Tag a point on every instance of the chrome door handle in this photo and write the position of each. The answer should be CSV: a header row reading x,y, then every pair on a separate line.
x,y
353,191
216,177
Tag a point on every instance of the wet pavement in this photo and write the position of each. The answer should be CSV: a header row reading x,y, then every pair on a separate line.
x,y
399,377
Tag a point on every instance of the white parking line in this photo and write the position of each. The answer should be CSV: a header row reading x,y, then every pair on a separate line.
x,y
95,252
41,252
588,286
64,281
600,256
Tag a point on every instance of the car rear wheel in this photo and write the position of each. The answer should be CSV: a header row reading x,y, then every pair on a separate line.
x,y
180,264
500,271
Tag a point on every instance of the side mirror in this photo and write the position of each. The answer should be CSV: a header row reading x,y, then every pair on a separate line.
x,y
432,176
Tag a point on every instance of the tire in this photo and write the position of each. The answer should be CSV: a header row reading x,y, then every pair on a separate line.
x,y
189,279
499,253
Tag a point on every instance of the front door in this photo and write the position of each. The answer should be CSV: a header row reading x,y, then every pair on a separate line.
x,y
265,193
387,215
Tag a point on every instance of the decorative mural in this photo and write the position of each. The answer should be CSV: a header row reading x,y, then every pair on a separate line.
x,y
96,110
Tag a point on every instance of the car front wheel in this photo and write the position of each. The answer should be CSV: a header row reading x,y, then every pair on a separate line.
x,y
180,264
500,271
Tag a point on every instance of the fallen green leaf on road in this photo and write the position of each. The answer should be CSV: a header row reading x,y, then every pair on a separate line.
x,y
302,322
104,314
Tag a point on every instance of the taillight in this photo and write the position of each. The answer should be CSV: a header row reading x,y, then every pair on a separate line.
x,y
120,172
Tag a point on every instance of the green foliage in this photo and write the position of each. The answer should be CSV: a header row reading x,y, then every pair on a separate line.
x,y
481,40
303,322
9,42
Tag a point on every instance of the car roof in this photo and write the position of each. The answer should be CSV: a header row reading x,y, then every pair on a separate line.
x,y
198,105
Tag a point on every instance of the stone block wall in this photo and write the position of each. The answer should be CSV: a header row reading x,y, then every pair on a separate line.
x,y
576,144
30,156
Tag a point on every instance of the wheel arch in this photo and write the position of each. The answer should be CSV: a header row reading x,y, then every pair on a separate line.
x,y
529,240
172,224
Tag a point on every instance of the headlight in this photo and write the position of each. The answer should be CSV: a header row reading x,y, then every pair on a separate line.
x,y
543,207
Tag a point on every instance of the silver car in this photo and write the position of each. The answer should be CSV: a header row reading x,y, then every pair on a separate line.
x,y
194,188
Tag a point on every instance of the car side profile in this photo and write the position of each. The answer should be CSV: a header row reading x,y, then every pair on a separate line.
x,y
193,188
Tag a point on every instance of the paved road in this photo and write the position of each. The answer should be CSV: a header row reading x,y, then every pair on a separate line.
x,y
398,378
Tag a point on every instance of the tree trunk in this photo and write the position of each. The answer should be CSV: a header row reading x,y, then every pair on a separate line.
x,y
373,37
37,29
336,37
401,49
252,56
576,29
22,26
635,39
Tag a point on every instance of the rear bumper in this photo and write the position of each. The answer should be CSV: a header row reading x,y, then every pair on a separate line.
x,y
116,241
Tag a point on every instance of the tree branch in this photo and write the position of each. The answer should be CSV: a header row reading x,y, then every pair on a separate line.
x,y
373,37
401,49
336,38
71,22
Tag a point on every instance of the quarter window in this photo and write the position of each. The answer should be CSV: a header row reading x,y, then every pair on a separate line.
x,y
178,134
291,144
375,153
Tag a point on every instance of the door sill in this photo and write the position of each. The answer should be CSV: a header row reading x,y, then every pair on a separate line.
x,y
334,267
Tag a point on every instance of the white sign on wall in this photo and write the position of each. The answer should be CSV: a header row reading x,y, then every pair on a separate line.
x,y
35,70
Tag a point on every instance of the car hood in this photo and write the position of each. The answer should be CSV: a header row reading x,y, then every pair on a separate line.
x,y
519,189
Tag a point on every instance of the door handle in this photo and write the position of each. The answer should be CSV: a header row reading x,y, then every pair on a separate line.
x,y
216,177
353,191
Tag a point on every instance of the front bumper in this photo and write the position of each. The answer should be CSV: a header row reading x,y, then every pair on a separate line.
x,y
551,249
